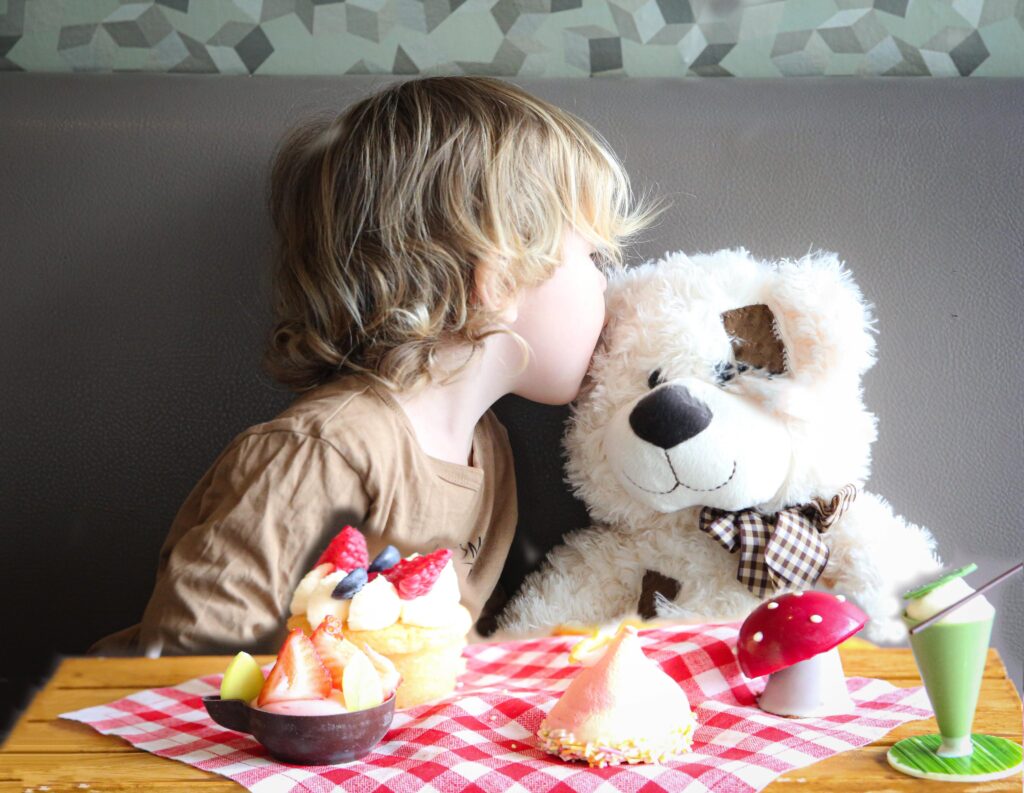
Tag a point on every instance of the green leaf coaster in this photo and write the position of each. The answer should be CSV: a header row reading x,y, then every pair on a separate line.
x,y
992,758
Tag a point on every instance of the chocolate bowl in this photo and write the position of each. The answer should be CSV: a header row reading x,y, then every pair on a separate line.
x,y
306,740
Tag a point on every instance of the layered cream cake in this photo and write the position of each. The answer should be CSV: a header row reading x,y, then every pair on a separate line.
x,y
408,610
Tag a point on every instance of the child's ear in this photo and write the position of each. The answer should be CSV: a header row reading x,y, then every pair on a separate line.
x,y
488,293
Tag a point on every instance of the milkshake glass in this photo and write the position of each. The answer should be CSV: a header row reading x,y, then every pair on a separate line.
x,y
951,658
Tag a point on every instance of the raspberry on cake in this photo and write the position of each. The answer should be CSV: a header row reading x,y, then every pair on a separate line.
x,y
405,611
347,550
416,576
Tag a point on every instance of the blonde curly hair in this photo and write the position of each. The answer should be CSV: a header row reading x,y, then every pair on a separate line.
x,y
383,213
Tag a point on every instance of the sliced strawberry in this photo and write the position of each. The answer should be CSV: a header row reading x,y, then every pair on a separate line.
x,y
297,674
346,551
415,577
333,648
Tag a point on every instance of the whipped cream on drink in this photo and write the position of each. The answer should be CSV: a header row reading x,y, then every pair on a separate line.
x,y
946,595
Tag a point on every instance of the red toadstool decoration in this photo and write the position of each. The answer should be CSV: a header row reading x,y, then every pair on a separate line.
x,y
793,639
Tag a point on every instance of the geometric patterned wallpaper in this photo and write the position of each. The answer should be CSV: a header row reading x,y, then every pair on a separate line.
x,y
529,38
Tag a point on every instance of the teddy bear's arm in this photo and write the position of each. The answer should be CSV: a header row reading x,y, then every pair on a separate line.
x,y
590,578
874,555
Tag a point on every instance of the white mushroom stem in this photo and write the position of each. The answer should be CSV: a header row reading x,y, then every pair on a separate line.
x,y
815,687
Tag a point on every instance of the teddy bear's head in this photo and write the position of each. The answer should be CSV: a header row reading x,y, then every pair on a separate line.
x,y
727,382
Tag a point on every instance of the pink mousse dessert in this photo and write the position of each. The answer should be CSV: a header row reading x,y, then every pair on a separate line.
x,y
621,708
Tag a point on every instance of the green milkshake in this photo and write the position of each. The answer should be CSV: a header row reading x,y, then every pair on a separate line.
x,y
951,655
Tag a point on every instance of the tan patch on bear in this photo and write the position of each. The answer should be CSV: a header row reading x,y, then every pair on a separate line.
x,y
755,338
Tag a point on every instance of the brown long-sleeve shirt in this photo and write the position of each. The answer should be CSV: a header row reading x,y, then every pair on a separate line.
x,y
257,520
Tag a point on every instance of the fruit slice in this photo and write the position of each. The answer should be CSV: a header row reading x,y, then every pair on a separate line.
x,y
416,576
298,672
361,683
334,649
390,677
589,649
243,679
337,695
347,550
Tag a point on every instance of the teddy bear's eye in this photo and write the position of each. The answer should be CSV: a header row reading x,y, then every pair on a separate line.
x,y
727,370
655,379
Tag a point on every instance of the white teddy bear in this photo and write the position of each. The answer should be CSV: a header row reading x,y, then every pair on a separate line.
x,y
721,444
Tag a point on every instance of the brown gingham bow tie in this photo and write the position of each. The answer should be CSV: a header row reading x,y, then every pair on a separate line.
x,y
781,549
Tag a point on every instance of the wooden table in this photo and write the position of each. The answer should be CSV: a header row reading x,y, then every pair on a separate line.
x,y
65,756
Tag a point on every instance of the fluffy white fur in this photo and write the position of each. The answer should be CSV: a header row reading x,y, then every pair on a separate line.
x,y
773,441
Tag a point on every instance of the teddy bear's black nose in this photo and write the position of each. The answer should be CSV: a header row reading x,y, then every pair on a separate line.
x,y
668,416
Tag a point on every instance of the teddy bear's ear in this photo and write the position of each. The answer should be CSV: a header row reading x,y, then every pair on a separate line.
x,y
822,318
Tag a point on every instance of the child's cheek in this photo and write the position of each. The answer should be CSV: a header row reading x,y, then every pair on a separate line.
x,y
562,320
579,330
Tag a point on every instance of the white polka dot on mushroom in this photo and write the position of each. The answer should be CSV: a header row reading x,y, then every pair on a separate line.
x,y
841,598
815,618
773,605
797,594
758,636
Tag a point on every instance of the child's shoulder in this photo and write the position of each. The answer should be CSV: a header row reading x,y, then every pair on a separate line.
x,y
346,407
361,420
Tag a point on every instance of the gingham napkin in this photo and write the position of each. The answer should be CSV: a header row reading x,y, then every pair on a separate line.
x,y
482,737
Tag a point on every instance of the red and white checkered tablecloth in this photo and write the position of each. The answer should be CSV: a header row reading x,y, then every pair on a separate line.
x,y
482,738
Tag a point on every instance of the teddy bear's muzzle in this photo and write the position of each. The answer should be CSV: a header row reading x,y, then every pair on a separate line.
x,y
668,416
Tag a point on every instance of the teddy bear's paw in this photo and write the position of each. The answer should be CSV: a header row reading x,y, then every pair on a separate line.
x,y
519,619
885,630
669,610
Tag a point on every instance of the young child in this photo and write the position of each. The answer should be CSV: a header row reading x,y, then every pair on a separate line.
x,y
440,244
